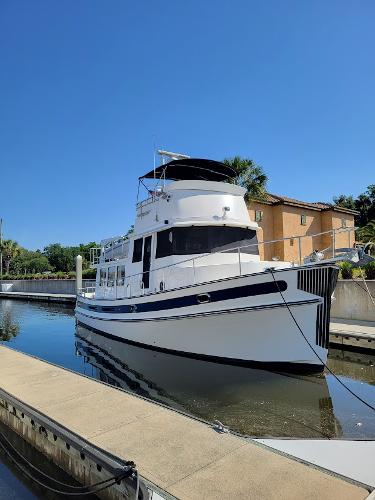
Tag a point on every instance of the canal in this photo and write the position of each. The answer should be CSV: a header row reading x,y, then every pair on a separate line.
x,y
251,401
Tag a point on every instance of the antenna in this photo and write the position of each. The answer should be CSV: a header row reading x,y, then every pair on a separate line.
x,y
1,248
154,147
172,156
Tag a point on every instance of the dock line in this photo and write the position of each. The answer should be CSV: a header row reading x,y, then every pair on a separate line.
x,y
316,354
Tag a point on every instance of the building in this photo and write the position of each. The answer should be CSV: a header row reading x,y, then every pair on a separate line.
x,y
281,217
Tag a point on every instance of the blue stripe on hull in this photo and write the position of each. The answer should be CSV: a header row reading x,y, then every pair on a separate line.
x,y
190,300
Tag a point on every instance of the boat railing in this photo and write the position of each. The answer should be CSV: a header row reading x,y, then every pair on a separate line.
x,y
190,268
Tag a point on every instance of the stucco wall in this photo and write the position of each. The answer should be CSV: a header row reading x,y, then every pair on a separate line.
x,y
265,231
353,302
281,221
293,227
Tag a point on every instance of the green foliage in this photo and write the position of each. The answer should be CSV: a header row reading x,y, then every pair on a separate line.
x,y
62,259
89,274
365,204
345,201
9,250
367,233
30,262
55,262
370,270
249,175
346,270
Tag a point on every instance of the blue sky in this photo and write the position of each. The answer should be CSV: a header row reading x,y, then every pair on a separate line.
x,y
87,86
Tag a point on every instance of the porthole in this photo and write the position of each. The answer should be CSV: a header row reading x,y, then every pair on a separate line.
x,y
203,298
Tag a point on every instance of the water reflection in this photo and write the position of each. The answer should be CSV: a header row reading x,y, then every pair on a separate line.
x,y
357,366
251,401
9,327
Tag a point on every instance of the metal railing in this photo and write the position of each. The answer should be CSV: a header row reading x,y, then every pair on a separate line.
x,y
167,276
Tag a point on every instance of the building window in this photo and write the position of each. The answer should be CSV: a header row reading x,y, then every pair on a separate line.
x,y
258,215
137,250
303,220
343,223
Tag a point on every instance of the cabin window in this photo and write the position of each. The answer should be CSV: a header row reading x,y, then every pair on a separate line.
x,y
111,276
103,277
303,220
205,239
137,250
120,275
258,215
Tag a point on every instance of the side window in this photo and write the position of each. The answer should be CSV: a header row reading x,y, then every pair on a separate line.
x,y
103,277
303,220
111,276
164,243
120,275
343,223
137,250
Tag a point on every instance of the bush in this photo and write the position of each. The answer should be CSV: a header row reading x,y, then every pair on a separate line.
x,y
89,274
370,270
346,271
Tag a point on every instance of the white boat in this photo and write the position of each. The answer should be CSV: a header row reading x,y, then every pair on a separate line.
x,y
189,279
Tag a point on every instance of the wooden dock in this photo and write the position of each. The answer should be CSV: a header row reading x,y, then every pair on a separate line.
x,y
184,457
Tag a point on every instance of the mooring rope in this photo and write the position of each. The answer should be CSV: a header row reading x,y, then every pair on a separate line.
x,y
314,351
367,288
90,489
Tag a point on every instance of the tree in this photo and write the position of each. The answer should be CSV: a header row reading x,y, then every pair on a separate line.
x,y
249,175
367,233
344,201
30,262
10,249
61,258
364,204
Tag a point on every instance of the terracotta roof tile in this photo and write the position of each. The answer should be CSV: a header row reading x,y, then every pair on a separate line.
x,y
274,199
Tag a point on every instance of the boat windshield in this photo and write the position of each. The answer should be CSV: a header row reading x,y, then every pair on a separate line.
x,y
205,239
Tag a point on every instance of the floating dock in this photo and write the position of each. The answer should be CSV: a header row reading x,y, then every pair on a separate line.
x,y
42,297
78,422
350,334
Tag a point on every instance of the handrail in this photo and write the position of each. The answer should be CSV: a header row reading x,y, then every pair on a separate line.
x,y
139,289
226,250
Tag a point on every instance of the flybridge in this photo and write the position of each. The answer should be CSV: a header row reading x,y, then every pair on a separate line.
x,y
182,167
197,169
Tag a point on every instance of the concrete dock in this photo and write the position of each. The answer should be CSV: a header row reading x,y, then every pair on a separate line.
x,y
42,297
183,457
352,334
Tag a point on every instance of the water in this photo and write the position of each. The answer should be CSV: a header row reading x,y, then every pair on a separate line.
x,y
251,401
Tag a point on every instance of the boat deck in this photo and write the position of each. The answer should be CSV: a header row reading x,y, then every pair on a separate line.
x,y
184,457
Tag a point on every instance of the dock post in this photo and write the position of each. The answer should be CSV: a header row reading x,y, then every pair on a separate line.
x,y
78,273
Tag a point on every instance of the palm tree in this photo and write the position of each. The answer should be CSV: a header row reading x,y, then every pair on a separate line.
x,y
367,233
10,250
249,175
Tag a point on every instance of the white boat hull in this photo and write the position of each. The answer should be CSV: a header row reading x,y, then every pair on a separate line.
x,y
236,324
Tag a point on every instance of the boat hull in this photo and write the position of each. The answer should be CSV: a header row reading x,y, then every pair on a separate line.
x,y
249,323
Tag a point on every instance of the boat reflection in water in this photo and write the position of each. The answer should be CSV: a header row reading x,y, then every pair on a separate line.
x,y
251,401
